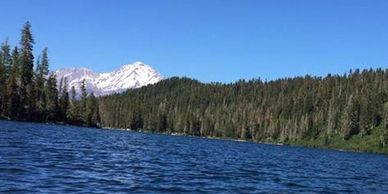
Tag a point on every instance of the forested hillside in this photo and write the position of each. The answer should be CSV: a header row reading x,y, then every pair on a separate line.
x,y
31,94
348,111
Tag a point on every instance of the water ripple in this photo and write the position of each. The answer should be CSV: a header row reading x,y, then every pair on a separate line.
x,y
39,158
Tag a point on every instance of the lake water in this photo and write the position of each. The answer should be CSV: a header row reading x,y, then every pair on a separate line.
x,y
40,158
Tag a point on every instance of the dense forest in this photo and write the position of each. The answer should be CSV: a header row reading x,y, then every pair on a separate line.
x,y
32,94
347,111
337,111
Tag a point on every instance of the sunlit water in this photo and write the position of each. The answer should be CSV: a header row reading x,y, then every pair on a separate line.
x,y
39,158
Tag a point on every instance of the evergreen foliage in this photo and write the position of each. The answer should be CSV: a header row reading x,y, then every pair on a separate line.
x,y
343,111
31,95
283,111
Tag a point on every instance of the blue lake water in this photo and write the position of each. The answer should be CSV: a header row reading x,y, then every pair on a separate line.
x,y
40,158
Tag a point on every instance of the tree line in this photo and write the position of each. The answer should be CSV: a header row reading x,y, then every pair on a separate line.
x,y
32,94
329,110
334,107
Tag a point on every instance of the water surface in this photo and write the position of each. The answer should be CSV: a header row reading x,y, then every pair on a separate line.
x,y
40,158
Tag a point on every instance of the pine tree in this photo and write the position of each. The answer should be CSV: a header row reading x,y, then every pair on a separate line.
x,y
14,106
2,81
63,100
26,60
41,75
52,98
350,119
5,63
136,121
332,117
93,112
6,57
366,116
73,112
28,94
84,97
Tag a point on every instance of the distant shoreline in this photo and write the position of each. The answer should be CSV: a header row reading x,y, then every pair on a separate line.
x,y
290,144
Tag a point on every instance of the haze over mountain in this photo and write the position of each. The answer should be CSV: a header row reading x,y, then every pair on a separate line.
x,y
129,76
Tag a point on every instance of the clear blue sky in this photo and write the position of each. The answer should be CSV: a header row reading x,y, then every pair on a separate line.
x,y
210,40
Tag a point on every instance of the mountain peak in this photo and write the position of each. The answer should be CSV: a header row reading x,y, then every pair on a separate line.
x,y
134,64
138,63
134,75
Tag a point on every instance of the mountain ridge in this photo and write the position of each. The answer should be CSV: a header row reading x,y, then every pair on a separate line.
x,y
128,76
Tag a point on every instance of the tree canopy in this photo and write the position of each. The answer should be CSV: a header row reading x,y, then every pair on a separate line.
x,y
33,95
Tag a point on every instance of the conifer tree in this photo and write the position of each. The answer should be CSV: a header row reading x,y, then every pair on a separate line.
x,y
92,112
332,117
384,135
2,86
366,115
28,94
350,119
42,72
73,112
84,97
41,75
52,98
6,57
26,61
14,106
63,100
5,63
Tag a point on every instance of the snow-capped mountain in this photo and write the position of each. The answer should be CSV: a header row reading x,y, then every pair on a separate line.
x,y
129,76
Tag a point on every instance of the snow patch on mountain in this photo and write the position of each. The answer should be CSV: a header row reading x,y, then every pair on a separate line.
x,y
129,76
